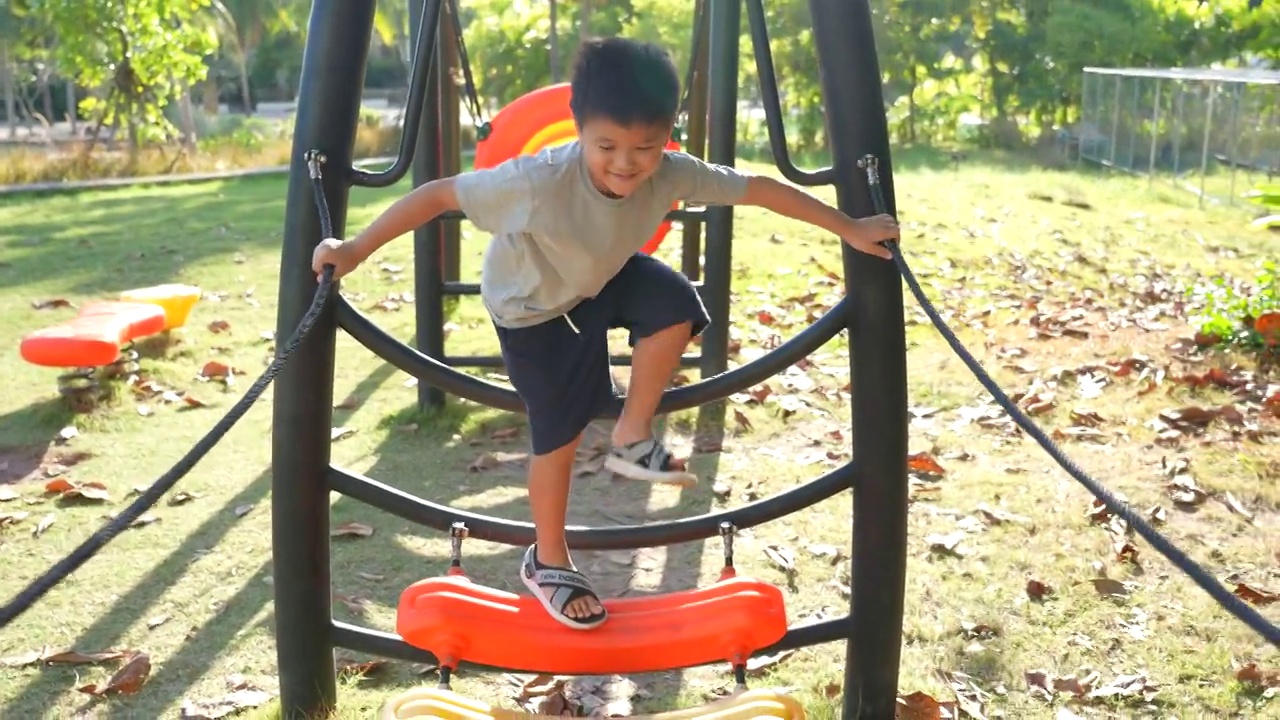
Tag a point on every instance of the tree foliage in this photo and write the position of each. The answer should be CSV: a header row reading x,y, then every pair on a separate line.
x,y
140,54
945,64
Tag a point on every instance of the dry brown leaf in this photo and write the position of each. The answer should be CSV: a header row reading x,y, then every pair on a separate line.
x,y
1037,590
13,518
51,304
218,326
44,524
64,657
225,706
351,529
128,680
782,557
340,433
351,402
920,706
92,491
947,544
1107,587
924,463
1251,674
1255,596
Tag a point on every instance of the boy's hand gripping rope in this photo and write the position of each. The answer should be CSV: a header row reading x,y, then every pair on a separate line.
x,y
29,595
1229,601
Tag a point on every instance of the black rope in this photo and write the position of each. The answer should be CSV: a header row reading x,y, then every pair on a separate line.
x,y
1232,604
695,47
473,95
29,595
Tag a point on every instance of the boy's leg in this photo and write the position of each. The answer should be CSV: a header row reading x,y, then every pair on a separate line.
x,y
562,375
662,310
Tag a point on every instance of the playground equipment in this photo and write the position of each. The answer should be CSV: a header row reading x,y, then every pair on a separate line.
x,y
540,119
872,313
750,622
98,341
537,119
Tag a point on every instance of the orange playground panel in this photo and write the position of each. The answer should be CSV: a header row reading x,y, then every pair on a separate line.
x,y
94,337
459,621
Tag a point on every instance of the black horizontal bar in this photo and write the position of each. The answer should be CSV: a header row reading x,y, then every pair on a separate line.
x,y
388,645
695,214
435,373
467,288
460,288
495,361
617,537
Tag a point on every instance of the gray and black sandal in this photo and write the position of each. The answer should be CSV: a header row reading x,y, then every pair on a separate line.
x,y
556,587
647,460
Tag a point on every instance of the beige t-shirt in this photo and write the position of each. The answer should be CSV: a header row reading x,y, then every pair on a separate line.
x,y
557,240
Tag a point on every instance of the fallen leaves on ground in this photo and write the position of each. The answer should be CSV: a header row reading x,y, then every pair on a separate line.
x,y
128,680
65,489
45,656
351,529
1124,687
243,696
580,696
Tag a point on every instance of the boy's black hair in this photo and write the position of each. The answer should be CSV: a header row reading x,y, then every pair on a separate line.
x,y
625,81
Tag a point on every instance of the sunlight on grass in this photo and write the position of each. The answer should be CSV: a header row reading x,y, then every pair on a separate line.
x,y
1008,252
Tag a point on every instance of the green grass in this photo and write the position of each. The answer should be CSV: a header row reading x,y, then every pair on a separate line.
x,y
993,240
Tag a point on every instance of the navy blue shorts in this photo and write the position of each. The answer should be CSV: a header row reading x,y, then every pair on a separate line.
x,y
563,376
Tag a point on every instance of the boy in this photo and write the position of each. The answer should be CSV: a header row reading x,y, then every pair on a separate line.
x,y
563,268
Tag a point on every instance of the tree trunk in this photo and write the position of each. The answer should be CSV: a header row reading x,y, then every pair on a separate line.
x,y
10,100
46,99
553,43
584,20
244,85
209,96
73,107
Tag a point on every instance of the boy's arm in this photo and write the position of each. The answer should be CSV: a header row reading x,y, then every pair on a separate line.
x,y
410,212
865,234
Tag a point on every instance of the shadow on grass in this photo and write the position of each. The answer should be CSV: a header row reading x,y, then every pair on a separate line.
x,y
174,673
194,657
30,434
111,240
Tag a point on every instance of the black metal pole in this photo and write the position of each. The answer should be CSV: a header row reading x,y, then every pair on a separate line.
x,y
428,240
856,123
328,109
447,61
722,128
696,138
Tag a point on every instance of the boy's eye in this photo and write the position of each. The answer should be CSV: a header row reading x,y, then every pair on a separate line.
x,y
606,148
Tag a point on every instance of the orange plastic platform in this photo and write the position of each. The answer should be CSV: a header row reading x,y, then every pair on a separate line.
x,y
94,337
459,621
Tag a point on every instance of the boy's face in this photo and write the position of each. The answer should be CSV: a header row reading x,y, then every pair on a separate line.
x,y
619,158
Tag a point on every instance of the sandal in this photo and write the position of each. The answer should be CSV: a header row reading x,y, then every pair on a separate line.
x,y
565,585
647,460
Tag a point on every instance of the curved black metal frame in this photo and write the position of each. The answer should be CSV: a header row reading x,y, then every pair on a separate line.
x,y
620,537
419,72
331,84
428,369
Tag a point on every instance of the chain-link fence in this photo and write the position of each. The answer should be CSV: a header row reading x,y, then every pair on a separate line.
x,y
1213,132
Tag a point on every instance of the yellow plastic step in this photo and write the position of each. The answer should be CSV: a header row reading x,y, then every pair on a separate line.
x,y
176,299
439,704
